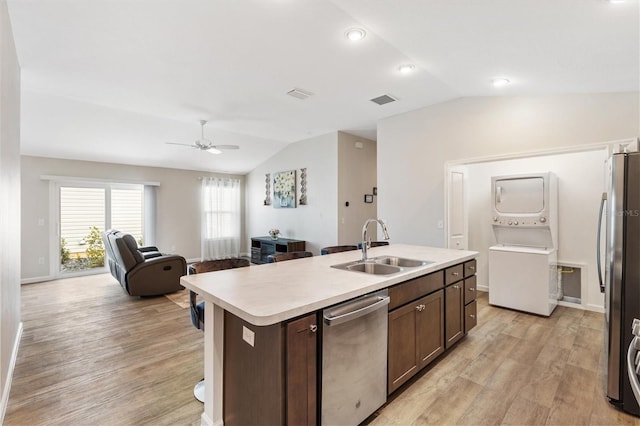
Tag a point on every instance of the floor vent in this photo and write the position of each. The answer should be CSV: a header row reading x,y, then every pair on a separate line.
x,y
299,93
384,99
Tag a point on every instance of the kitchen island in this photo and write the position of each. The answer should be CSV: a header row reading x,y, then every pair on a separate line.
x,y
264,297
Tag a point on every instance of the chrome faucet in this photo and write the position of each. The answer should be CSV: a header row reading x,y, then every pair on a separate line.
x,y
366,241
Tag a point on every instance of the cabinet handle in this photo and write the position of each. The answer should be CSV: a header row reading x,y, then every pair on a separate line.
x,y
420,308
455,274
456,286
313,328
472,289
473,268
472,316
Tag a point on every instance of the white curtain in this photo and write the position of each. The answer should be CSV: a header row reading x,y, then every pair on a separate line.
x,y
220,218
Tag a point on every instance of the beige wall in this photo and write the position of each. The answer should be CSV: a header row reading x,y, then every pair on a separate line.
x,y
178,206
316,222
356,177
10,325
413,147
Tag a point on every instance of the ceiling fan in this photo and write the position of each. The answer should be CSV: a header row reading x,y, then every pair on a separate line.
x,y
205,144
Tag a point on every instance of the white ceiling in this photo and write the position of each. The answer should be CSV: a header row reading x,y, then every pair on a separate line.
x,y
112,80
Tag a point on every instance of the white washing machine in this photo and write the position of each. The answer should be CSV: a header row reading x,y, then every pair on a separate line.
x,y
523,278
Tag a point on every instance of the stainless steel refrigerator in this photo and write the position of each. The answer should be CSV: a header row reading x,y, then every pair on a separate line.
x,y
621,282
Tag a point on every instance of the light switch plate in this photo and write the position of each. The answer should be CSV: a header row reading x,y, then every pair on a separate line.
x,y
248,335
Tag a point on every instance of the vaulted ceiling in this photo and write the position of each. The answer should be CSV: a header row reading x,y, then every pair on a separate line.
x,y
113,80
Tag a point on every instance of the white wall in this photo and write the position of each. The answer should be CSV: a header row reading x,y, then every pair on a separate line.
x,y
357,174
580,186
413,147
178,206
10,325
316,222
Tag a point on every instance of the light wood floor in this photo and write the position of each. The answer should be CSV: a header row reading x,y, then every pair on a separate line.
x,y
91,355
516,369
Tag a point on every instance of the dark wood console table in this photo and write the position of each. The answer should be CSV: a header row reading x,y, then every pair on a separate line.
x,y
261,247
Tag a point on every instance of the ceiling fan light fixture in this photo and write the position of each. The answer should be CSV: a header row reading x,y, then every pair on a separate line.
x,y
406,68
500,82
213,150
355,34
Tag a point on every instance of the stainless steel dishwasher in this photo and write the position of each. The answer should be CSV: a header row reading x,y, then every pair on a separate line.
x,y
354,359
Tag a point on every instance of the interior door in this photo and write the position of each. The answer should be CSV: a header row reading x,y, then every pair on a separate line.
x,y
457,219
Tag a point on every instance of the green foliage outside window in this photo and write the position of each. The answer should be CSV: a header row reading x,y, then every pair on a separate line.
x,y
65,254
95,248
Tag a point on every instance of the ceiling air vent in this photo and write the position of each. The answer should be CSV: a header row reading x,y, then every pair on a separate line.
x,y
299,93
384,99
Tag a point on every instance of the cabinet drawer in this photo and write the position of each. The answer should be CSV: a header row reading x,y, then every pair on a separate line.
x,y
470,316
453,274
469,268
415,288
469,289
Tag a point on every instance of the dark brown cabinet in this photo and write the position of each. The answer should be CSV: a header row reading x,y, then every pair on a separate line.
x,y
302,373
416,329
470,294
429,327
454,323
270,372
261,247
470,316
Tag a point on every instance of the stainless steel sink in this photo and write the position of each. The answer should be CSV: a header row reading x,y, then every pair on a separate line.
x,y
382,265
368,267
402,262
374,268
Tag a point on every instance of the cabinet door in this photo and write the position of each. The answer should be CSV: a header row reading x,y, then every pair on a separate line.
x,y
430,327
470,316
454,314
301,371
402,345
469,289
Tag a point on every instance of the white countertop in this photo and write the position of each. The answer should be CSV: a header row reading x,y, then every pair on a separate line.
x,y
274,292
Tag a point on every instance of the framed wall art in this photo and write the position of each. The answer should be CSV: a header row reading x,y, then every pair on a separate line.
x,y
284,189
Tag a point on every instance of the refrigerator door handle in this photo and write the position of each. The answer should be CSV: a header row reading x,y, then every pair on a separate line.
x,y
603,200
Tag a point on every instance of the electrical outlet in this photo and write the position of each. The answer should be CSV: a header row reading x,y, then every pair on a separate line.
x,y
41,261
440,224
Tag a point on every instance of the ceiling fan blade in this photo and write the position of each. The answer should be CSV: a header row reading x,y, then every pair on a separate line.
x,y
181,144
226,146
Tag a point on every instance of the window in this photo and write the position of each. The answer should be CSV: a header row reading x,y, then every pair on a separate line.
x,y
220,218
85,211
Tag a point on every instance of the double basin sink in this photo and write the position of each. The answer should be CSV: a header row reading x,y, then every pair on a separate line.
x,y
382,265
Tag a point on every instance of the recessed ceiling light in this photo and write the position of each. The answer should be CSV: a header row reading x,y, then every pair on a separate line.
x,y
406,68
499,82
355,34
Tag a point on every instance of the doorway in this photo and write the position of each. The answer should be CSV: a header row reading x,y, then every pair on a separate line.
x,y
581,173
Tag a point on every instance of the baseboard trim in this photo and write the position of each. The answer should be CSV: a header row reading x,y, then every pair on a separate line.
x,y
36,279
484,288
12,364
206,421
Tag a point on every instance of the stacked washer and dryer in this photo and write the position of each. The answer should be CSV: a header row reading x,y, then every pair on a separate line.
x,y
523,263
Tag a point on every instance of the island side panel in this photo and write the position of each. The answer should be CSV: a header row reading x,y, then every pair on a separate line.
x,y
254,373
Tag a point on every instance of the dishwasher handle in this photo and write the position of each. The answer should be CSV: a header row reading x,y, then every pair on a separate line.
x,y
353,310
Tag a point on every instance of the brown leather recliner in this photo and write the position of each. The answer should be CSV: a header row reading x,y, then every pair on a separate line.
x,y
142,271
